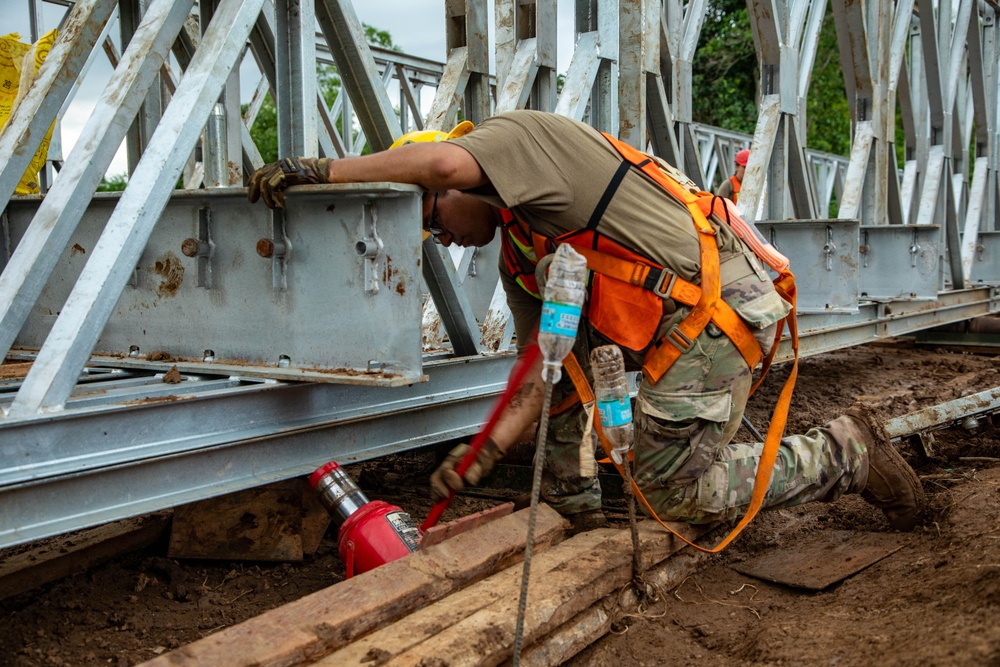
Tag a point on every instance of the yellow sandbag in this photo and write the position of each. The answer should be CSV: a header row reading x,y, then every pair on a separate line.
x,y
19,64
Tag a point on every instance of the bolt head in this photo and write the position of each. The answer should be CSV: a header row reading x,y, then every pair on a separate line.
x,y
189,247
265,248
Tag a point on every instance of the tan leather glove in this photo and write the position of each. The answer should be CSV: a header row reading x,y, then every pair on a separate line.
x,y
446,480
272,179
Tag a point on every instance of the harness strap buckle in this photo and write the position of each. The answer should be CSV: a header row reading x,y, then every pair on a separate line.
x,y
659,290
679,339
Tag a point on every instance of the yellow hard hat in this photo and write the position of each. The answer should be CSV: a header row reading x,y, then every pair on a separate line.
x,y
419,136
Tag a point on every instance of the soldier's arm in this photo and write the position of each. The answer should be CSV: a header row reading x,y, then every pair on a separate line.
x,y
433,166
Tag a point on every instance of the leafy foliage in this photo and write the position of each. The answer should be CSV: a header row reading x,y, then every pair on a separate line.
x,y
726,77
725,72
265,129
114,183
380,38
828,114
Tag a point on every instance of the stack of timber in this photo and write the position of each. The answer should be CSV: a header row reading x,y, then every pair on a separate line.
x,y
455,603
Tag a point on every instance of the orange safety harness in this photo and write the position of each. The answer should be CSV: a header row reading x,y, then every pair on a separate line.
x,y
736,188
626,295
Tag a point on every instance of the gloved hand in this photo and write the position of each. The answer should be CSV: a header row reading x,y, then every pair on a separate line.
x,y
272,179
445,479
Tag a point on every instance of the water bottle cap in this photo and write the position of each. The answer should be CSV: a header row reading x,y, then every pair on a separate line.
x,y
322,472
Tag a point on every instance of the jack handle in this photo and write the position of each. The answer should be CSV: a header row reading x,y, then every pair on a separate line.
x,y
531,354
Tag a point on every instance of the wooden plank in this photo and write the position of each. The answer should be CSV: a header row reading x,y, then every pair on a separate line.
x,y
590,625
315,520
476,626
27,567
327,620
13,370
440,533
278,522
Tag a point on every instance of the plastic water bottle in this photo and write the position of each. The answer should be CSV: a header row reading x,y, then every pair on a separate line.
x,y
613,405
564,293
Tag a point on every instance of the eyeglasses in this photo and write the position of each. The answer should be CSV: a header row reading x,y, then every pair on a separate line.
x,y
434,225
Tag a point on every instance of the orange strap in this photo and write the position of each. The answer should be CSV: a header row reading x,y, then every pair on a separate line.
x,y
682,336
680,291
564,405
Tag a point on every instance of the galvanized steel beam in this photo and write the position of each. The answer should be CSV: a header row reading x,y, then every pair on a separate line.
x,y
254,286
346,40
452,304
943,415
947,91
95,463
90,304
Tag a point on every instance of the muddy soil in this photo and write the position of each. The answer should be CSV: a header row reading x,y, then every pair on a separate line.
x,y
936,601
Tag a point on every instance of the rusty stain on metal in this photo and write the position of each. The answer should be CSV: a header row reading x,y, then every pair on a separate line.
x,y
170,269
78,249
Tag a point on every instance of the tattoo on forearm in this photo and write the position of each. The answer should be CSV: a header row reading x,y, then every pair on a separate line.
x,y
523,394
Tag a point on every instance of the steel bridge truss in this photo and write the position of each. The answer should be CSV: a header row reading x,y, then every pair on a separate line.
x,y
308,334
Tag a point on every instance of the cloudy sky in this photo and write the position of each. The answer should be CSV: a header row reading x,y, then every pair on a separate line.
x,y
417,26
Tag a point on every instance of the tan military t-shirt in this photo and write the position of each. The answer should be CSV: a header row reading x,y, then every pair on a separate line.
x,y
552,171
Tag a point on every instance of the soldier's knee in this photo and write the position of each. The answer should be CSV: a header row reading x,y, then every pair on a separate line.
x,y
702,501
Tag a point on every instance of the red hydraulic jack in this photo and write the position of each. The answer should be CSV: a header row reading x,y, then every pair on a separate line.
x,y
373,532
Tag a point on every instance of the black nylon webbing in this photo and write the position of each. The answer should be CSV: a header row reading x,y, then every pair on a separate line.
x,y
609,192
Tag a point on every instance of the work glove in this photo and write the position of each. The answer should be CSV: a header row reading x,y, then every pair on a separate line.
x,y
446,480
272,179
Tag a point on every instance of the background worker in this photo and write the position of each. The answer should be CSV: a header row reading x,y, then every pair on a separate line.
x,y
730,188
546,174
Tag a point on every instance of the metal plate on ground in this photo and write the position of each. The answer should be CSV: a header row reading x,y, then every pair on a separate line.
x,y
819,561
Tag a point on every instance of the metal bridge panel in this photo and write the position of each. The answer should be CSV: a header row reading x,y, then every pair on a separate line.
x,y
90,466
986,259
339,311
824,258
900,261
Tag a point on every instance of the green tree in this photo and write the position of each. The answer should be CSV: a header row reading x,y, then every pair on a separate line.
x,y
726,78
114,183
828,113
725,71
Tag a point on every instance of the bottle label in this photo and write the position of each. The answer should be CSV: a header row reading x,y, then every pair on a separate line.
x,y
560,319
615,413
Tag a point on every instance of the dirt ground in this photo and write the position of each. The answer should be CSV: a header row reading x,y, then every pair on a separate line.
x,y
936,601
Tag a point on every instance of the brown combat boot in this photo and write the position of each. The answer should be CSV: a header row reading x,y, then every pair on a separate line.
x,y
893,487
